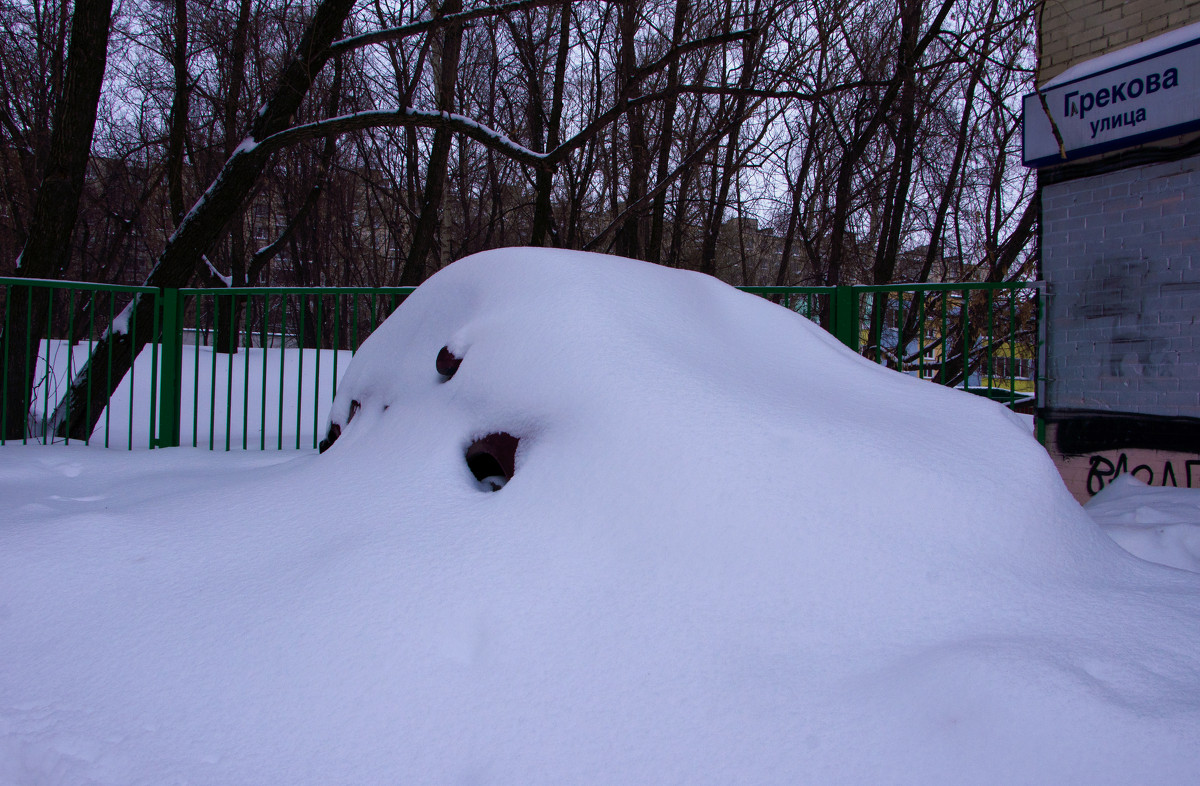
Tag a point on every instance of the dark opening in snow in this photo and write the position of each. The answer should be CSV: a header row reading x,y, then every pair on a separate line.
x,y
331,436
447,362
335,429
492,459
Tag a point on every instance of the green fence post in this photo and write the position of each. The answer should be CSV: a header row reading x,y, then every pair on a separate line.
x,y
845,316
170,383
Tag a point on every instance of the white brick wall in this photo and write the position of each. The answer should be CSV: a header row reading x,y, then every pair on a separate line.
x,y
1121,254
1073,31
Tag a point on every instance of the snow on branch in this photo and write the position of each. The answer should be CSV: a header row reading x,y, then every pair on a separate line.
x,y
120,323
216,274
489,137
409,117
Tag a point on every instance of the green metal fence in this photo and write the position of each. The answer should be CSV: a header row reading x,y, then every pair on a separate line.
x,y
50,328
257,368
263,363
981,337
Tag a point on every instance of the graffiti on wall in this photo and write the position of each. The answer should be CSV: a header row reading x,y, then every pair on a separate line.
x,y
1178,472
1091,450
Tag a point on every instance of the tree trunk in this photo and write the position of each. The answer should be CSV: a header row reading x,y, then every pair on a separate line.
x,y
177,123
225,331
47,250
629,240
544,182
202,226
729,169
907,59
784,272
415,269
900,179
666,136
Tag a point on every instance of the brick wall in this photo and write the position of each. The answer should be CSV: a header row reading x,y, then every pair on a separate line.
x,y
1120,252
1121,256
1077,30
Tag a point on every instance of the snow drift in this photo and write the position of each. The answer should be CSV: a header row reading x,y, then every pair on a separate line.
x,y
1157,524
729,550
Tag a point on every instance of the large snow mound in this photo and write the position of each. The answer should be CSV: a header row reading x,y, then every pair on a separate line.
x,y
730,551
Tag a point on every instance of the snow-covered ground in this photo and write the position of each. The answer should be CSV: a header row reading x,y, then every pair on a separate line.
x,y
730,551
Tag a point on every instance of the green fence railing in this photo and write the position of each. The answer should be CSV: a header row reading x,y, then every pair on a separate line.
x,y
267,359
257,368
50,328
982,337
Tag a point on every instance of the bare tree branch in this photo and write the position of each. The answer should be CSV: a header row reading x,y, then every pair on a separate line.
x,y
407,117
436,23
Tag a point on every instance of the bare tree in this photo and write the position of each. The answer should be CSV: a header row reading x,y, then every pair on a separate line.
x,y
56,205
763,141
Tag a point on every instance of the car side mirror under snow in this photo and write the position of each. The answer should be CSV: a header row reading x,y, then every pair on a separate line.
x,y
492,459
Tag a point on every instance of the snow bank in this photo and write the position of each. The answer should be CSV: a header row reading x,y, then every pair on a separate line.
x,y
1157,524
730,551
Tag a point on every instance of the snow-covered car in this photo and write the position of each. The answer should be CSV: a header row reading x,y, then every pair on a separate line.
x,y
708,544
